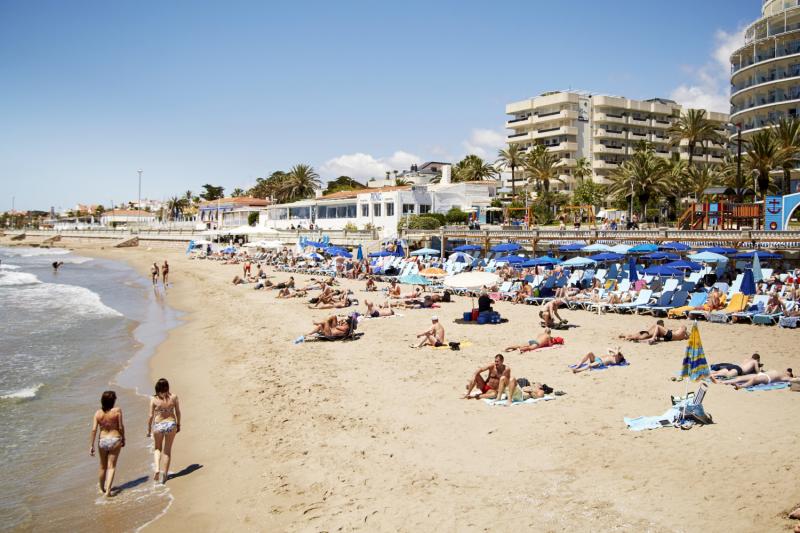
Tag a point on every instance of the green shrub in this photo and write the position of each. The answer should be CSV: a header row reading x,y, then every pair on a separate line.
x,y
456,216
350,227
419,222
252,218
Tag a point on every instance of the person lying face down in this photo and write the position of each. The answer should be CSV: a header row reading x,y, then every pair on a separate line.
x,y
762,378
658,332
751,365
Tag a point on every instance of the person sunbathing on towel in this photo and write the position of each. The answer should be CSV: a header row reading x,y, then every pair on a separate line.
x,y
751,365
544,340
614,357
376,312
498,373
415,293
286,284
657,333
762,378
332,326
521,389
334,302
433,336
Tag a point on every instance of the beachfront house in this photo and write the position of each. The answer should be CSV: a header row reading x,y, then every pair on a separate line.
x,y
127,217
380,207
229,212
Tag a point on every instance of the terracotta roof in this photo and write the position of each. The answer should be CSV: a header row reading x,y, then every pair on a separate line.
x,y
355,192
128,212
239,200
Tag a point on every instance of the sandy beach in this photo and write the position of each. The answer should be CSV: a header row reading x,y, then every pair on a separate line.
x,y
372,435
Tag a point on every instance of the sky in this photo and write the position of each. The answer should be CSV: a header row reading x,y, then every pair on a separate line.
x,y
195,92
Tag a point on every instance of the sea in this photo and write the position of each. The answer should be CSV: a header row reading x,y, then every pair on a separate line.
x,y
66,336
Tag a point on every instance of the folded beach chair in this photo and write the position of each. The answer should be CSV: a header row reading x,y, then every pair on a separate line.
x,y
663,300
736,304
756,307
696,300
642,298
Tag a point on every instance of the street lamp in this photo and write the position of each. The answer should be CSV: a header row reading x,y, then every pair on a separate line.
x,y
139,203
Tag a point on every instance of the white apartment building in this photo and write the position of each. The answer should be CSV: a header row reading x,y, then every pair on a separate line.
x,y
127,217
381,207
603,129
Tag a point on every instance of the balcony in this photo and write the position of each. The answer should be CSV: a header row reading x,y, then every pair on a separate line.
x,y
609,134
563,147
766,102
599,164
610,118
519,137
604,149
550,132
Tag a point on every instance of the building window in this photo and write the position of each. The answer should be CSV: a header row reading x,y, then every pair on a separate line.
x,y
408,209
364,210
424,208
390,209
376,209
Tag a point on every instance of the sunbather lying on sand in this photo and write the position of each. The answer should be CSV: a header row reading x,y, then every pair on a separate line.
x,y
375,312
433,336
332,326
520,393
415,293
544,340
424,303
614,357
289,284
751,365
497,372
334,302
762,378
657,333
289,293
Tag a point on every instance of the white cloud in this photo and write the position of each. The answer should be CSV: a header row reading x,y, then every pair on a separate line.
x,y
361,166
711,84
484,143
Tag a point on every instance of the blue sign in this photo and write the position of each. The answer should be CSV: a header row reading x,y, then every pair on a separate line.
x,y
773,213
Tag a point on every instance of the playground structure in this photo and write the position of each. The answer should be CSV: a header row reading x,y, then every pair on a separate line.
x,y
569,211
529,216
721,216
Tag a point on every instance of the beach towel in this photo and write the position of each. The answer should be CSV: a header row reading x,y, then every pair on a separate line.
x,y
367,317
653,422
771,386
603,367
462,344
503,403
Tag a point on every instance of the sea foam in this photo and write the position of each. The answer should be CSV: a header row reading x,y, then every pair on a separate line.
x,y
10,278
28,393
9,267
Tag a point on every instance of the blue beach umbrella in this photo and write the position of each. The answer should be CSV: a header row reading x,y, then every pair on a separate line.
x,y
513,259
695,366
643,249
313,243
415,279
663,271
620,248
632,274
399,250
748,286
596,248
609,256
460,257
382,253
314,256
229,250
572,247
674,246
661,256
540,261
757,274
506,247
762,255
467,248
708,257
578,261
721,250
685,265
359,253
338,252
425,251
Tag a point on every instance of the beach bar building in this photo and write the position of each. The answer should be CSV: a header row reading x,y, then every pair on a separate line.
x,y
127,217
229,212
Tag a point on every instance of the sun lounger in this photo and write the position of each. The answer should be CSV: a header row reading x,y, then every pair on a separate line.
x,y
773,318
697,299
756,307
679,299
699,313
663,301
643,298
736,304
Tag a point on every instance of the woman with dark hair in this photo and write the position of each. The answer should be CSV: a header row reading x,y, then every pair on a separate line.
x,y
112,438
164,423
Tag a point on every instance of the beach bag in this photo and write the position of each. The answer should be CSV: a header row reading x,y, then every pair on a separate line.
x,y
455,346
695,413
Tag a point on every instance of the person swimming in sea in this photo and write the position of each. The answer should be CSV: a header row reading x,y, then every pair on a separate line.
x,y
57,265
108,419
163,423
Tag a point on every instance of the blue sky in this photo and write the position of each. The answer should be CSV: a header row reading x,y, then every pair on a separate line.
x,y
223,92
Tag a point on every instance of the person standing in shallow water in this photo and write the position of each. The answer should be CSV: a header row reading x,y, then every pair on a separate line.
x,y
154,273
164,273
112,439
164,423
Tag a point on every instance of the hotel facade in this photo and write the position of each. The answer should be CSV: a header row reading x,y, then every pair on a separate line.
x,y
603,129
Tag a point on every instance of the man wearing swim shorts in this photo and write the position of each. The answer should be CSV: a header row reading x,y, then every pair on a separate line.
x,y
488,387
433,336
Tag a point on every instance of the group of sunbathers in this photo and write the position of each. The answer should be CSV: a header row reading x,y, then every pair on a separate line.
x,y
499,380
657,333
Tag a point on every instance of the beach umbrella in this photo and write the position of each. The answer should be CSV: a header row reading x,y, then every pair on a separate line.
x,y
685,265
662,270
643,249
757,274
425,251
460,257
661,256
506,247
471,280
382,253
708,257
432,272
674,246
415,279
572,247
721,250
632,274
748,286
620,248
338,252
513,259
315,256
596,248
399,252
229,250
695,366
359,253
545,260
609,256
762,255
468,248
313,243
578,261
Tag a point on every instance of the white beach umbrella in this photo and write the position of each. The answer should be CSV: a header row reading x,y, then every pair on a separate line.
x,y
471,280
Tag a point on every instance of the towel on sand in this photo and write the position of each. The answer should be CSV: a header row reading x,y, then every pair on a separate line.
x,y
604,367
641,423
503,403
463,344
771,386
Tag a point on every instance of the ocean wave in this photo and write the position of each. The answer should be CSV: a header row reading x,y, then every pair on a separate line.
x,y
9,267
33,252
28,393
11,278
71,299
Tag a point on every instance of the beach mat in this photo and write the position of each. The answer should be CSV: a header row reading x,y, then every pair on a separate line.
x,y
604,367
503,403
771,386
462,344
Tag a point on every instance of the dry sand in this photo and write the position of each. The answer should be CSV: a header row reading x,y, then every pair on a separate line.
x,y
371,434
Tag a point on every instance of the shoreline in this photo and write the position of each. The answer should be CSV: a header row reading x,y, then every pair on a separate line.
x,y
370,435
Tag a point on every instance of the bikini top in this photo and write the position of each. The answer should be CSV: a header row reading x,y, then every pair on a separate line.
x,y
108,420
164,410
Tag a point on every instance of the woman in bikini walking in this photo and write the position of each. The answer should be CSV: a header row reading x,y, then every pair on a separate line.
x,y
112,438
164,423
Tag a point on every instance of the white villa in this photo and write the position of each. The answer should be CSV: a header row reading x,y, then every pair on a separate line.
x,y
125,217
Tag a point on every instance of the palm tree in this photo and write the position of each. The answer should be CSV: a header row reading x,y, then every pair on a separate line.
x,y
678,175
189,197
583,169
764,154
543,167
237,192
731,178
301,182
174,205
401,181
701,178
695,128
512,157
473,168
787,132
644,176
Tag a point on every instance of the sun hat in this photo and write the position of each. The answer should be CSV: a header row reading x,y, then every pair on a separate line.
x,y
434,318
